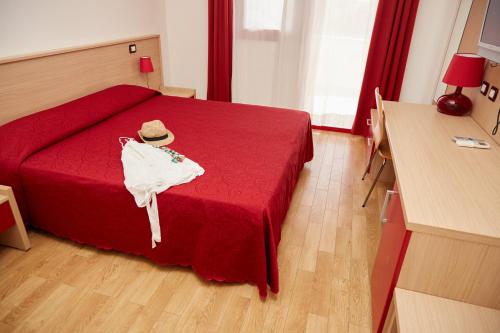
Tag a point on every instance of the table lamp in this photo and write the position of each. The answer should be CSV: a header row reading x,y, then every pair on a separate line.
x,y
146,66
465,70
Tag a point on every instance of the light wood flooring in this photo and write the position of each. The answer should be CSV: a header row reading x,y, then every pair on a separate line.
x,y
325,256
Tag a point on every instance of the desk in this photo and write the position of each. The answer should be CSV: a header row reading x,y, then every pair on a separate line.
x,y
443,232
445,189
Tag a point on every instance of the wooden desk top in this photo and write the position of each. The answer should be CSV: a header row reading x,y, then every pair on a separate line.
x,y
417,312
445,189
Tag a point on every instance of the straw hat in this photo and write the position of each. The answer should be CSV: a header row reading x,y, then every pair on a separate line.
x,y
155,133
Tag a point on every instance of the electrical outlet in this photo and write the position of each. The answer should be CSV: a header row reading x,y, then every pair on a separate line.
x,y
492,95
132,48
484,87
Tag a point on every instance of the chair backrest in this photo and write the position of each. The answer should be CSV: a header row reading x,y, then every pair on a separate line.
x,y
379,128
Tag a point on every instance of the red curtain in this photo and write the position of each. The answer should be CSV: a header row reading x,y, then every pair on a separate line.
x,y
220,49
386,62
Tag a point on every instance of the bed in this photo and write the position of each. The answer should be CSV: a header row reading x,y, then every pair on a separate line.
x,y
64,166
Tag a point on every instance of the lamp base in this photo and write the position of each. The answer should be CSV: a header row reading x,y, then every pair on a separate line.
x,y
454,104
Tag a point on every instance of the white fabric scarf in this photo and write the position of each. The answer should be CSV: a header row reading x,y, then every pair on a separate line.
x,y
149,171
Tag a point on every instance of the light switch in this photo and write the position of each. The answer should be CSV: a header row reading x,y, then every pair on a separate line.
x,y
132,48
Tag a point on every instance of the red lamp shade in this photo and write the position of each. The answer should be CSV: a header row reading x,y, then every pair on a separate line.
x,y
146,65
465,70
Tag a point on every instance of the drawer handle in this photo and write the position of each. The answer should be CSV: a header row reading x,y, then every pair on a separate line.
x,y
383,212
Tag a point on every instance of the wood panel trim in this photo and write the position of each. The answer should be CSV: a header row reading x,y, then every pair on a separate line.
x,y
33,83
36,55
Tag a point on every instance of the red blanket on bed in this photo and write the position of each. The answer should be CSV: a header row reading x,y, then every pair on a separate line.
x,y
65,167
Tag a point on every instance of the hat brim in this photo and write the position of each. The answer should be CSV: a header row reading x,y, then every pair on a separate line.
x,y
159,143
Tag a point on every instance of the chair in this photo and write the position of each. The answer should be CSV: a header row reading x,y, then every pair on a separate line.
x,y
380,144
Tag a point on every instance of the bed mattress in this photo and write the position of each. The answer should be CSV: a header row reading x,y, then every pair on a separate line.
x,y
65,167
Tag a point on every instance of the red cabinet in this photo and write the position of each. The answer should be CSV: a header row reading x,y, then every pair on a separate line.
x,y
6,218
390,255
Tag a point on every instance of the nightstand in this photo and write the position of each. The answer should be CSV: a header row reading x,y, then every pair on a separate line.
x,y
179,92
12,230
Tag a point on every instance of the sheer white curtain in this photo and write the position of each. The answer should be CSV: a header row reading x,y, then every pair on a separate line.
x,y
302,54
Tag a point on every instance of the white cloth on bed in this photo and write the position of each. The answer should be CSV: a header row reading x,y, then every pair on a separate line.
x,y
149,171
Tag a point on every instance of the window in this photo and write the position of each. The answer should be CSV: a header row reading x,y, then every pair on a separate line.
x,y
261,15
259,19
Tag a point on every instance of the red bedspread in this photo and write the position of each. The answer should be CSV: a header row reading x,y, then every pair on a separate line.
x,y
65,167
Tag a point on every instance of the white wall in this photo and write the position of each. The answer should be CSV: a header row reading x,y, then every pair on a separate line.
x,y
32,26
433,27
28,26
186,56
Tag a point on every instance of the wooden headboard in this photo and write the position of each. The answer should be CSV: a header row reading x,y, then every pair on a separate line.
x,y
35,82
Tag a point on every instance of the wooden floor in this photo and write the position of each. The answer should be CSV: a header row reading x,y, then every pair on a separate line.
x,y
327,249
